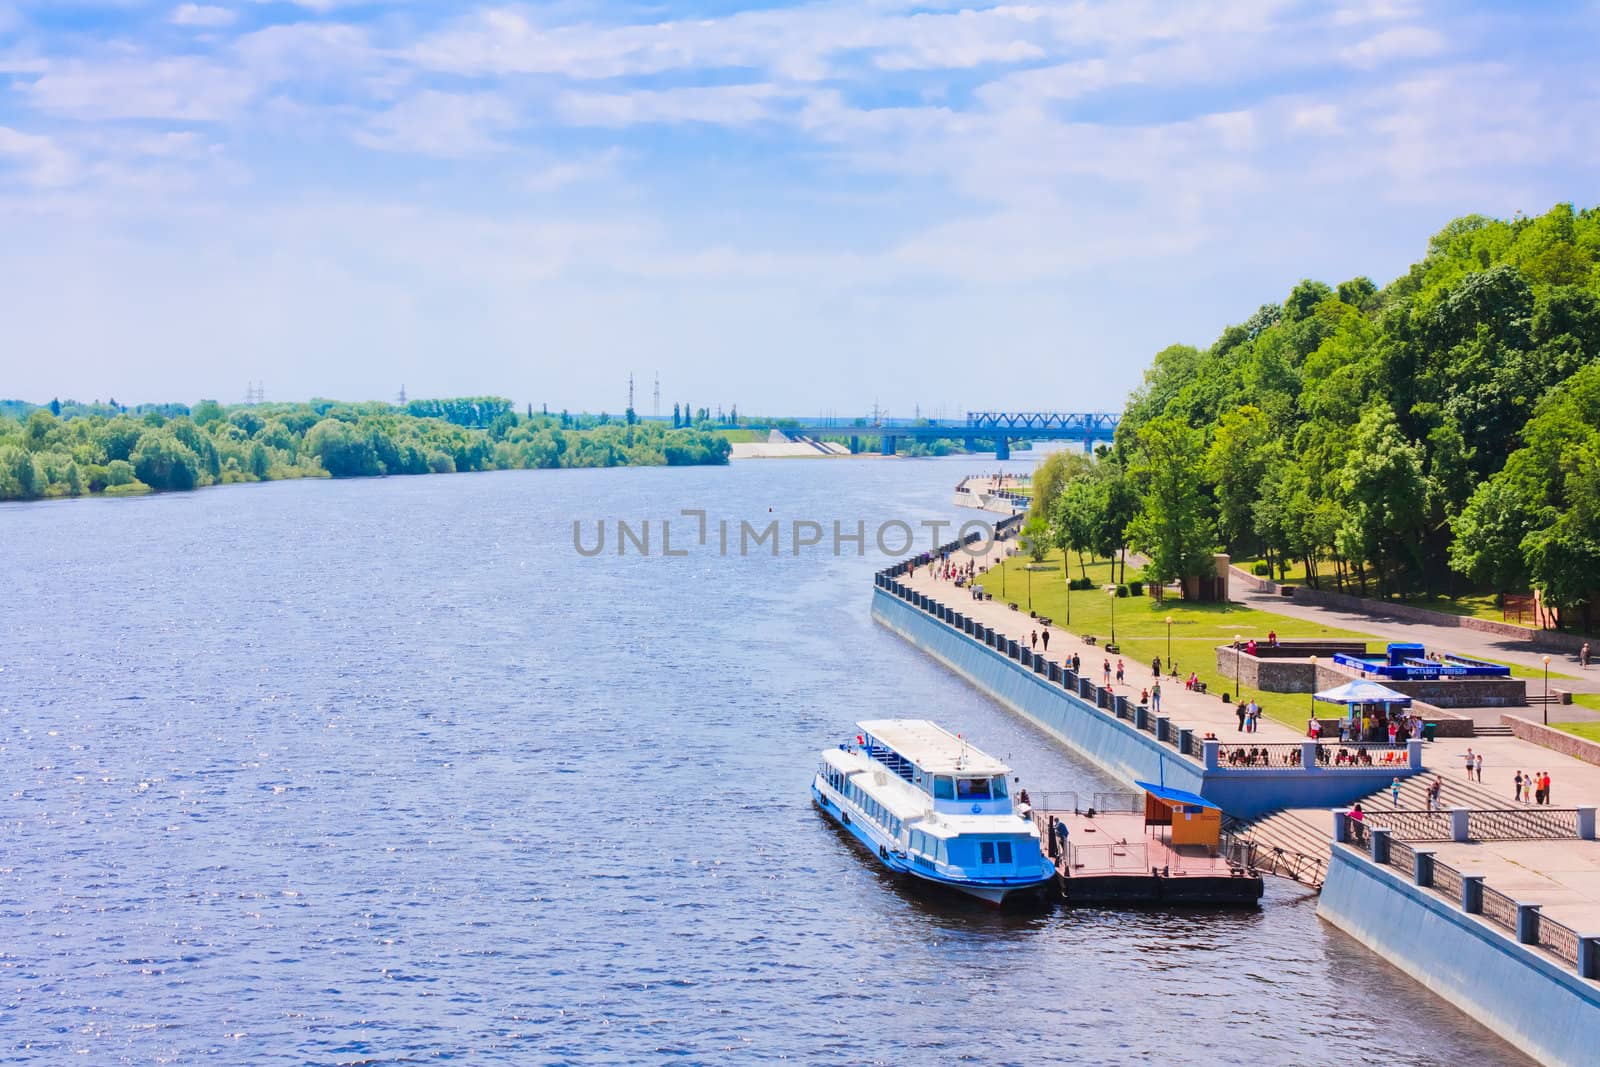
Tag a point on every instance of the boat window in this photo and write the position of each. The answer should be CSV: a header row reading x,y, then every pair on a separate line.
x,y
1004,849
972,789
997,786
943,787
986,851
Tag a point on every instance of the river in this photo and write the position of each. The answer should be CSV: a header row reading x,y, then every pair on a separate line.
x,y
384,771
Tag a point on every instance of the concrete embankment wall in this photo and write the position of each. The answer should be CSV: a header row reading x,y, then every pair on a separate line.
x,y
1548,1013
1116,744
1107,741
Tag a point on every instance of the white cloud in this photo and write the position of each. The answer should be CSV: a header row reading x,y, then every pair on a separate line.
x,y
184,88
202,15
1315,118
1402,42
40,160
727,105
434,123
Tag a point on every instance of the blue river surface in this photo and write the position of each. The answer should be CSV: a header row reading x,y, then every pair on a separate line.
x,y
385,771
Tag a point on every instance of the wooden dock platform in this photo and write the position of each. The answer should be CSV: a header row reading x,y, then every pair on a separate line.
x,y
1120,857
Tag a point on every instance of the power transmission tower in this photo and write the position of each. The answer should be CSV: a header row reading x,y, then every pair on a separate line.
x,y
630,390
400,398
655,400
254,392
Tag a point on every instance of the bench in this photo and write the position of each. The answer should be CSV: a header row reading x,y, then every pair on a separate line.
x,y
1088,640
1199,687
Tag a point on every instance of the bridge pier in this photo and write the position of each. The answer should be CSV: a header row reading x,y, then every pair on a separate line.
x,y
1002,447
855,444
888,445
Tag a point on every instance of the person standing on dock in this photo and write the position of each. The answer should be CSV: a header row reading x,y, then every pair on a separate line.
x,y
1469,764
1075,664
1478,766
1155,697
1517,792
1105,671
1050,836
1238,709
1119,670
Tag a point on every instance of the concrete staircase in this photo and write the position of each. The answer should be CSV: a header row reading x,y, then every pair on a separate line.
x,y
1294,843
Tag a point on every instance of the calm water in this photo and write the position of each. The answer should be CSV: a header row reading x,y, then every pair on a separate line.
x,y
383,772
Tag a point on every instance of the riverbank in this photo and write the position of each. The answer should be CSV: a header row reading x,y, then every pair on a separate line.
x,y
993,646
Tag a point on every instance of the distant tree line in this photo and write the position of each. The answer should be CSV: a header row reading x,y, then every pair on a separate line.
x,y
1435,436
71,449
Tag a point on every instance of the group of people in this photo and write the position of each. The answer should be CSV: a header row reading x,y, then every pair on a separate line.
x,y
1394,728
1249,716
1474,766
1258,757
1532,788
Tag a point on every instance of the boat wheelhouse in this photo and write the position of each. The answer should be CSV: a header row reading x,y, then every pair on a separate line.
x,y
931,806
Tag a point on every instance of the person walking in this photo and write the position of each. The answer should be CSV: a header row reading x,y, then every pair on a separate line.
x,y
1238,709
1155,667
1105,671
1155,697
1119,670
1076,665
1433,793
1033,640
1394,794
1044,638
1583,656
1478,766
1517,792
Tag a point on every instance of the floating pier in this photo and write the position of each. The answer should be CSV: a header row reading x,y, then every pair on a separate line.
x,y
1161,846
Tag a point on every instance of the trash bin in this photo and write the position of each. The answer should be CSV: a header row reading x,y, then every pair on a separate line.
x,y
1428,729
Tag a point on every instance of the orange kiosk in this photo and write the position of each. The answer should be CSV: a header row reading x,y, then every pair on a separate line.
x,y
1190,819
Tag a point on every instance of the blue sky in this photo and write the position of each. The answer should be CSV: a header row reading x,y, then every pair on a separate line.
x,y
795,208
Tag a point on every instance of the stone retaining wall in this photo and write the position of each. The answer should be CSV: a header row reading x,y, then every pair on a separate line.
x,y
1556,740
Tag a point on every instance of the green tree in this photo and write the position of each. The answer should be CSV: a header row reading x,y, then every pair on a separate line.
x,y
1171,527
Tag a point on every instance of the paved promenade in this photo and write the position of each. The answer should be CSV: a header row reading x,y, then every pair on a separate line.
x,y
1564,875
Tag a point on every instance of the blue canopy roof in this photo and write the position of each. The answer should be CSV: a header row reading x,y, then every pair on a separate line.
x,y
1176,796
1361,691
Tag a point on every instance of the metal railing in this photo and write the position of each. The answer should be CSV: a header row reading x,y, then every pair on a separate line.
x,y
1447,880
1119,802
1402,857
1499,909
1115,857
1412,825
1522,824
1557,939
1054,800
1273,755
1274,860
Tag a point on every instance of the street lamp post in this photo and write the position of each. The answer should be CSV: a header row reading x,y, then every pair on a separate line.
x,y
1238,667
1170,668
1111,591
1027,569
1547,690
1313,687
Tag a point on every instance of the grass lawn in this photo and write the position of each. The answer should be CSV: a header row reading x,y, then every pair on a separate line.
x,y
1587,700
1141,628
1589,731
743,437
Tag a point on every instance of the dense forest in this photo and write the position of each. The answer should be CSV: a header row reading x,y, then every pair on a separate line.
x,y
1436,435
70,449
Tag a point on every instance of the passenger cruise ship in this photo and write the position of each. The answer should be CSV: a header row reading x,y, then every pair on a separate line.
x,y
931,806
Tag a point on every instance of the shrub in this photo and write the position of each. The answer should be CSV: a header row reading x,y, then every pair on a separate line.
x,y
1136,589
1262,569
127,489
1122,590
